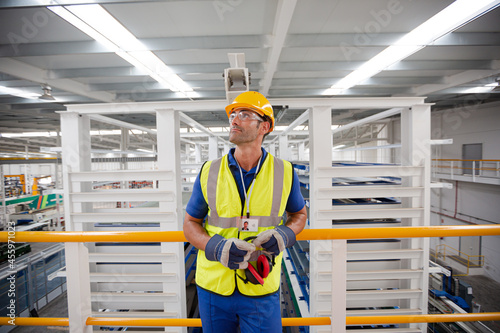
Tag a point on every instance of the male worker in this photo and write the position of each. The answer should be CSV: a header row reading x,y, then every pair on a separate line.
x,y
246,185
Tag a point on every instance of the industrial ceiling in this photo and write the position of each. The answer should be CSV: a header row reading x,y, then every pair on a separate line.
x,y
293,49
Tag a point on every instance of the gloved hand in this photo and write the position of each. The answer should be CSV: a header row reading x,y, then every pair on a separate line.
x,y
275,240
233,253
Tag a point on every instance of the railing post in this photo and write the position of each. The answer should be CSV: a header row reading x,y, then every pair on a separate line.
x,y
473,171
169,159
339,285
320,146
78,282
451,169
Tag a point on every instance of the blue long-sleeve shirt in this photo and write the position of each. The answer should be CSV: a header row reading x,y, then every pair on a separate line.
x,y
197,207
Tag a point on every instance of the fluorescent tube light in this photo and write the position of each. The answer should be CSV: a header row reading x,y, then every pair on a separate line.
x,y
84,27
96,22
18,93
449,19
100,20
481,90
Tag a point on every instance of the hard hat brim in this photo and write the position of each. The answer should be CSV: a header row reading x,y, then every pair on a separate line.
x,y
231,107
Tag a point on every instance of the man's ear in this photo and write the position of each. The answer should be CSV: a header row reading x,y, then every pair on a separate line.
x,y
266,126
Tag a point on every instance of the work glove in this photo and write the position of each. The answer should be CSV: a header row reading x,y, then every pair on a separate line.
x,y
274,241
233,253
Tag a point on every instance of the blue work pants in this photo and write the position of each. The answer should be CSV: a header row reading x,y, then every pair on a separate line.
x,y
224,314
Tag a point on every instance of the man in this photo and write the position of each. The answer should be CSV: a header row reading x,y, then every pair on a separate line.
x,y
245,226
248,184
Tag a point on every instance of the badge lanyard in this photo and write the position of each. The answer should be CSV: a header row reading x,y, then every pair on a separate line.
x,y
247,199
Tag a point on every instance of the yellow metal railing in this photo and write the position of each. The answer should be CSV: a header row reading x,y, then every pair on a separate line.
x,y
308,234
443,250
488,168
308,321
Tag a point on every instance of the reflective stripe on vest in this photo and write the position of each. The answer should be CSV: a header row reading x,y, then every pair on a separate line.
x,y
267,204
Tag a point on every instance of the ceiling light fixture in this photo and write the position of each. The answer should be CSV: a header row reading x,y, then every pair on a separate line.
x,y
47,93
96,22
449,19
482,89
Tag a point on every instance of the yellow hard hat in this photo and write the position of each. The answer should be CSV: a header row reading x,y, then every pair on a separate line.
x,y
256,102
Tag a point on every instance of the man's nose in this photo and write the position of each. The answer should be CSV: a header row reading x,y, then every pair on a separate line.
x,y
235,119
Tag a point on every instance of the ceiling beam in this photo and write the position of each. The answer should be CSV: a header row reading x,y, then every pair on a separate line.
x,y
43,3
165,44
189,121
218,105
31,73
27,124
200,43
378,116
282,22
121,124
299,121
457,79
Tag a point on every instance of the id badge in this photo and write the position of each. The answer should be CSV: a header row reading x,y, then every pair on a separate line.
x,y
249,224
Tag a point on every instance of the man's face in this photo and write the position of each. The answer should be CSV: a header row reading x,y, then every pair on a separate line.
x,y
244,126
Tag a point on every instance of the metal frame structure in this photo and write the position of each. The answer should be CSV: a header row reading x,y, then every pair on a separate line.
x,y
330,268
80,216
101,284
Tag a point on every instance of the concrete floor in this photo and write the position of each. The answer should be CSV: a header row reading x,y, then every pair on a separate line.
x,y
57,308
486,292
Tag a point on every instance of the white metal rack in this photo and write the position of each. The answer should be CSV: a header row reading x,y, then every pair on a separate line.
x,y
363,278
329,293
146,279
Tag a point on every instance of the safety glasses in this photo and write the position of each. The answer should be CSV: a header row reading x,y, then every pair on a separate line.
x,y
244,116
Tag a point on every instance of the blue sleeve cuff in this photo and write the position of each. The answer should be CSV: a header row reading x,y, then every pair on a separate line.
x,y
287,234
214,247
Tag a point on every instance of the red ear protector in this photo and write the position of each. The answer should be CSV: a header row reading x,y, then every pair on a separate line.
x,y
264,267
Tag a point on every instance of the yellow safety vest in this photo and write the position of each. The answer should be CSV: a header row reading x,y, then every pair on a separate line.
x,y
267,204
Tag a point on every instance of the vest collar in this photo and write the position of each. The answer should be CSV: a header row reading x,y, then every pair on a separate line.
x,y
234,165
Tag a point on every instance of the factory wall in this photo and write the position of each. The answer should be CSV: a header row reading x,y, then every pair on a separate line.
x,y
473,202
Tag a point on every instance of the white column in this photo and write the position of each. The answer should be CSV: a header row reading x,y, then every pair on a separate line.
x,y
124,142
213,149
284,150
169,159
272,149
339,285
302,153
78,287
197,153
324,254
416,151
75,129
